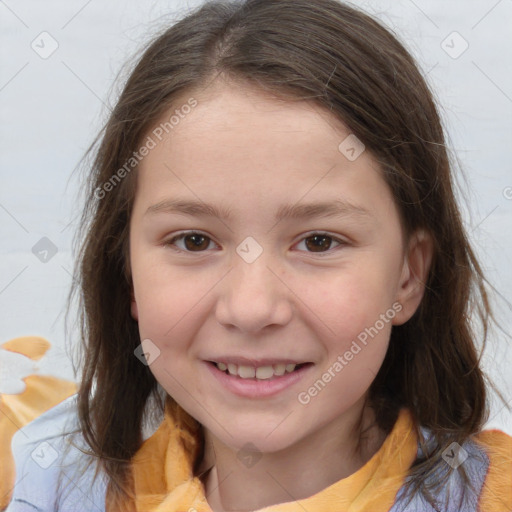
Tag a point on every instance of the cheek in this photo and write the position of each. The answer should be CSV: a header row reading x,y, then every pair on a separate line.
x,y
354,313
163,294
166,305
163,310
359,318
160,296
352,300
172,304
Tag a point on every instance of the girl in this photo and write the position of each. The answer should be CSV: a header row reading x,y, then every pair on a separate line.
x,y
278,296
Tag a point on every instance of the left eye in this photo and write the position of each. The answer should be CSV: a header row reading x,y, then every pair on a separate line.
x,y
197,242
319,241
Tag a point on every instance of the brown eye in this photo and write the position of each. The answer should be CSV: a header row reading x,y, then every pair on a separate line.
x,y
320,243
192,242
196,242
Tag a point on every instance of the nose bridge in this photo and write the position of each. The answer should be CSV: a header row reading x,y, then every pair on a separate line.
x,y
252,296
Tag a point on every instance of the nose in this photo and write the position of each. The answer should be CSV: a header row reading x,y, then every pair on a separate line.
x,y
254,296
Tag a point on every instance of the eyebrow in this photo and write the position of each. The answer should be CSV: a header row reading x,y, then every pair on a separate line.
x,y
336,208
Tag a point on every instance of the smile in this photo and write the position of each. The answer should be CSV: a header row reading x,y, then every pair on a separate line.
x,y
260,373
257,379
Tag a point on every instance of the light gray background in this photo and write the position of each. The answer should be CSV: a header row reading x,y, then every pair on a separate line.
x,y
52,108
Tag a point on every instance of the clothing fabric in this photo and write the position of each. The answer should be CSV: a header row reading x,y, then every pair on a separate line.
x,y
49,448
22,401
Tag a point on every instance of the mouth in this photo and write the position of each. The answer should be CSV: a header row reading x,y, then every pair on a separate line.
x,y
258,373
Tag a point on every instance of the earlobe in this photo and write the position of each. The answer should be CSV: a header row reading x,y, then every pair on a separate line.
x,y
415,272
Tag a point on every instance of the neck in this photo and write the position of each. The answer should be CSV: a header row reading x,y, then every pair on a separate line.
x,y
237,483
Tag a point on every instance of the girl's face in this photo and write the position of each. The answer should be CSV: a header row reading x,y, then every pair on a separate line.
x,y
309,268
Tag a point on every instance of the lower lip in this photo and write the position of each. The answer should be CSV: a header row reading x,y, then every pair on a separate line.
x,y
254,388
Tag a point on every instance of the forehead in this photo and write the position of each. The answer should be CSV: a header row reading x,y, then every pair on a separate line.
x,y
255,119
243,145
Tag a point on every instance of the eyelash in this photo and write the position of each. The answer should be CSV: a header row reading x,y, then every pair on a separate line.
x,y
171,242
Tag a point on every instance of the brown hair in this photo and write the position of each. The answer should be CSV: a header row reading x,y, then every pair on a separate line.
x,y
344,61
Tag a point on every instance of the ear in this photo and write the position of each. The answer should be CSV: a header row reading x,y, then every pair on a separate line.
x,y
133,307
415,271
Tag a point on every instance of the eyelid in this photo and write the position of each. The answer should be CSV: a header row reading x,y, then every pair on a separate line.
x,y
320,232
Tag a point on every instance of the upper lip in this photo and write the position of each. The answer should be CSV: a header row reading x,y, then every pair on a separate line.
x,y
244,361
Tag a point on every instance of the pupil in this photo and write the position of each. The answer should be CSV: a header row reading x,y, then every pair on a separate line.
x,y
316,244
196,244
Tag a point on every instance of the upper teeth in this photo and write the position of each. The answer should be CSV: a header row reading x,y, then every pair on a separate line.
x,y
262,372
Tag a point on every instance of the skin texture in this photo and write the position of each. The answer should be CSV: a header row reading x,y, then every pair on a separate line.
x,y
244,150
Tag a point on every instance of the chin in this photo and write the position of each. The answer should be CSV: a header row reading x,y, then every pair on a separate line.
x,y
255,439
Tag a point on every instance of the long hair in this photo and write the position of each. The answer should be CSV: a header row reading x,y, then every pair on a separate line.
x,y
347,63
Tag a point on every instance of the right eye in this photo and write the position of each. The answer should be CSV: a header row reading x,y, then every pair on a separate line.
x,y
193,242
